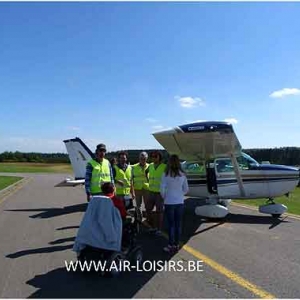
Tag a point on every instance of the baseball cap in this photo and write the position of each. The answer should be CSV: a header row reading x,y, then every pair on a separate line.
x,y
101,147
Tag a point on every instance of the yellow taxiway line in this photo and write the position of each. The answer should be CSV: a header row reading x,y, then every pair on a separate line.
x,y
205,259
229,274
256,290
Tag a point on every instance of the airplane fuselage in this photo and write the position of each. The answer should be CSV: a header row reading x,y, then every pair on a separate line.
x,y
259,180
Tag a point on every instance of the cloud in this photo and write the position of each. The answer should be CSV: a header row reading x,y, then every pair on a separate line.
x,y
231,120
150,120
285,92
73,128
160,128
195,121
157,127
189,102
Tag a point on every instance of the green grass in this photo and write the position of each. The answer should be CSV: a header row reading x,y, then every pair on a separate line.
x,y
292,203
5,181
35,168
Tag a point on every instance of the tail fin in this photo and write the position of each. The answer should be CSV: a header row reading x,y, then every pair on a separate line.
x,y
79,155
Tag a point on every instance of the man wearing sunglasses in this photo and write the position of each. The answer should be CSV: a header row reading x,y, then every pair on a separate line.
x,y
98,171
155,172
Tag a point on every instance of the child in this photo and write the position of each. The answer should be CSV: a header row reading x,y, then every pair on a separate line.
x,y
108,190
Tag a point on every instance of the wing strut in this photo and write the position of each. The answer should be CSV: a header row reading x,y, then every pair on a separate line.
x,y
238,174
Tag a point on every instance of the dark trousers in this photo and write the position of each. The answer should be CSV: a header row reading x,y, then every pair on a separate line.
x,y
173,213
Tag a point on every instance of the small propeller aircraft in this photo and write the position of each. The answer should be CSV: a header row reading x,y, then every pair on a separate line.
x,y
217,170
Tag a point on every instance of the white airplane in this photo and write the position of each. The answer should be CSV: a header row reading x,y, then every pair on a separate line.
x,y
216,168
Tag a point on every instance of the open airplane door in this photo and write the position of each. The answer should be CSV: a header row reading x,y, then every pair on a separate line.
x,y
204,141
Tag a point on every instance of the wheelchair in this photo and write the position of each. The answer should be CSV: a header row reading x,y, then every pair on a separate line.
x,y
130,250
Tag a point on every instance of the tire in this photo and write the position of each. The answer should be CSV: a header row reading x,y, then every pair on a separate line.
x,y
136,256
115,260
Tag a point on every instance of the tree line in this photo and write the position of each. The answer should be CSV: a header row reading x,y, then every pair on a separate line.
x,y
283,155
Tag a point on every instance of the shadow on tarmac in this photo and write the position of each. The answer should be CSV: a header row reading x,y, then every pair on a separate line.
x,y
67,227
61,241
39,251
59,283
46,213
192,223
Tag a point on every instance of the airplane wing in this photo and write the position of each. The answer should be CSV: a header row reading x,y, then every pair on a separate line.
x,y
200,141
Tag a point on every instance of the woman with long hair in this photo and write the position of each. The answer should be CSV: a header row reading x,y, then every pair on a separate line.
x,y
173,187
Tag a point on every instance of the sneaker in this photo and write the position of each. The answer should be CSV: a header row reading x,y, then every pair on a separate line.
x,y
168,249
158,233
152,230
176,248
146,223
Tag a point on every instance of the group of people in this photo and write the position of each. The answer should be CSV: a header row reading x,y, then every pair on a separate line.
x,y
156,184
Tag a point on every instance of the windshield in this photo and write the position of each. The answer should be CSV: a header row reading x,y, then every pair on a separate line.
x,y
250,159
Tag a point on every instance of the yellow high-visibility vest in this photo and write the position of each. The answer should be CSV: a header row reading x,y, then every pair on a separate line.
x,y
100,174
155,176
125,177
139,177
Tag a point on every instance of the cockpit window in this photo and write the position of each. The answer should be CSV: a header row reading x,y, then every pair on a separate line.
x,y
245,162
224,165
193,168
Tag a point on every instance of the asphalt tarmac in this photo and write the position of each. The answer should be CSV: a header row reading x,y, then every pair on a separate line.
x,y
249,255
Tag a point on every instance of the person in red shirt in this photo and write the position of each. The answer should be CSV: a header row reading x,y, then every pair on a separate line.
x,y
108,190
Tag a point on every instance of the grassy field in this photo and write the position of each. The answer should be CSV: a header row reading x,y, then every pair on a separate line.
x,y
5,181
35,168
292,203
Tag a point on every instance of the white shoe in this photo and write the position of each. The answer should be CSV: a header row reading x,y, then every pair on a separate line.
x,y
168,249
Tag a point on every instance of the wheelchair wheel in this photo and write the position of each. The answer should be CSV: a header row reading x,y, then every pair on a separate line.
x,y
114,265
136,256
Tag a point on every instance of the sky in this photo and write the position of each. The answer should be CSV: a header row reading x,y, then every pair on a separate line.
x,y
114,73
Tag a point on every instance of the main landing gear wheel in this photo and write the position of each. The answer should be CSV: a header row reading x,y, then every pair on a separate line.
x,y
272,208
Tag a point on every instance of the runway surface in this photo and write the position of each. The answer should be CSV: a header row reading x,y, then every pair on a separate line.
x,y
250,255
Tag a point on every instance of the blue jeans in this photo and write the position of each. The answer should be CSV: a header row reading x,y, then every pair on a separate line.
x,y
173,213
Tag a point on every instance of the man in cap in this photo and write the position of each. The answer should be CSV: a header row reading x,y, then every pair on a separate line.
x,y
98,171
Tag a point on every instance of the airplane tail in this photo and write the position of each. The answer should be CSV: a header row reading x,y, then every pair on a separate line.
x,y
79,155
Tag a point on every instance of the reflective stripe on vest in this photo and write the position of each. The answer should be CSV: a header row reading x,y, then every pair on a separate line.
x,y
100,174
125,177
139,177
155,177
